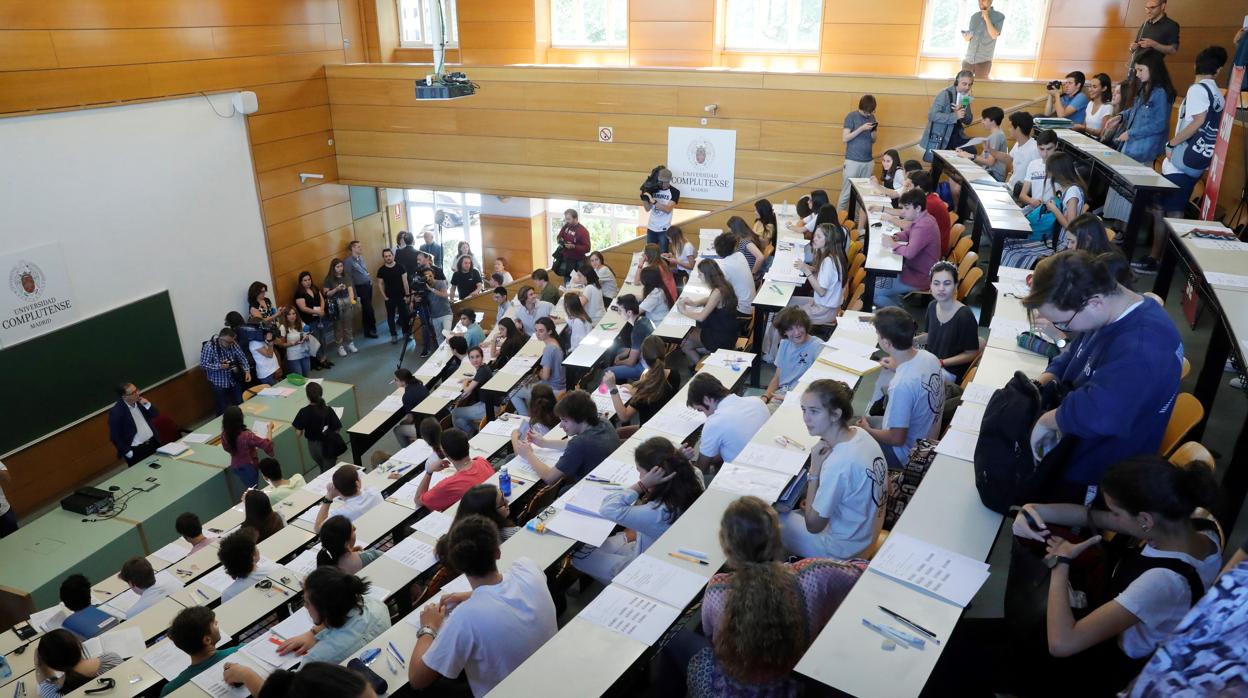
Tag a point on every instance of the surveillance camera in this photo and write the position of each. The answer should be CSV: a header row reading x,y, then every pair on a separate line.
x,y
711,108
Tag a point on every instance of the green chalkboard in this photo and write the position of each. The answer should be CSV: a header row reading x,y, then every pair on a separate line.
x,y
60,377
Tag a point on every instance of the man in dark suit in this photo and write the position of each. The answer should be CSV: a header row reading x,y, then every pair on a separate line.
x,y
130,425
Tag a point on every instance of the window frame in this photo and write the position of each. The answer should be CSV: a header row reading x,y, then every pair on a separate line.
x,y
960,47
589,47
616,219
794,4
414,199
452,25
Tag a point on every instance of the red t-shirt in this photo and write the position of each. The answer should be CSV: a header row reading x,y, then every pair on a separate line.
x,y
938,210
442,495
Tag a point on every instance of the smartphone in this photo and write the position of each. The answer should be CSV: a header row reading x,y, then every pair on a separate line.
x,y
24,630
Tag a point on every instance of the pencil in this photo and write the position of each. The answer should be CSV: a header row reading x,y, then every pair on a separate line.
x,y
688,558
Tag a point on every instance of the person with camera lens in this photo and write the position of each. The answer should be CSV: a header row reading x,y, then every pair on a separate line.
x,y
225,366
659,198
1066,98
421,301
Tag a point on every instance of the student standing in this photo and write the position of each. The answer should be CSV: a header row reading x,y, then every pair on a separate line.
x,y
313,422
195,631
311,304
363,283
297,343
981,39
1147,120
916,394
340,303
731,420
660,205
241,443
494,627
395,291
858,133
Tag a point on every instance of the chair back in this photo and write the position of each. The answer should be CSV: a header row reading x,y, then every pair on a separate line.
x,y
964,267
960,249
968,282
1186,415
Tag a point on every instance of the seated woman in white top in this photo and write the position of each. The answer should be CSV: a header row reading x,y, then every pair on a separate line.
x,y
682,254
667,485
1149,591
606,277
579,322
1060,172
846,485
1100,105
826,276
656,300
585,282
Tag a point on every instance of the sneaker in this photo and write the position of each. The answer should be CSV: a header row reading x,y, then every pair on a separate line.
x,y
351,347
424,354
1148,265
342,351
1237,383
394,339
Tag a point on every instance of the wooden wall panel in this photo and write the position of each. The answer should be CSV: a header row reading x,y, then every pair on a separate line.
x,y
26,50
126,14
295,204
507,237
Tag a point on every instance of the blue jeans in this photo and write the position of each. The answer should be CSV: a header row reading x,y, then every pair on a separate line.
x,y
248,473
270,379
627,374
891,296
658,238
467,418
225,397
301,366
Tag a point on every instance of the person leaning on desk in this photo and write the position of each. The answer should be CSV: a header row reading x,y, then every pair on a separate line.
x,y
130,425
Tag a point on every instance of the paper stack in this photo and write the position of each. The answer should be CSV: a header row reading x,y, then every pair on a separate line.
x,y
933,569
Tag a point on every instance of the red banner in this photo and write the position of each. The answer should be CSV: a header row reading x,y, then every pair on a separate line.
x,y
1214,182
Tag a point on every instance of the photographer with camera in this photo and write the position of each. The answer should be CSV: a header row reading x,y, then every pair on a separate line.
x,y
573,241
1066,98
659,198
225,365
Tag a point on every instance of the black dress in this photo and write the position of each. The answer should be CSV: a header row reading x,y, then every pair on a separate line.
x,y
719,329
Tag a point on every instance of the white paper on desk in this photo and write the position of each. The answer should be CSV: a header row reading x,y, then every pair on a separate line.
x,y
124,642
677,319
304,563
858,365
447,392
217,580
958,444
1008,327
119,604
414,553
197,438
264,650
277,391
821,371
782,460
767,485
1139,170
1225,245
523,468
167,659
340,411
49,618
628,613
974,141
173,448
677,420
671,584
729,359
518,365
978,393
845,345
617,471
391,403
968,417
1014,274
417,452
591,530
435,525
504,424
262,427
606,406
1231,281
315,380
318,484
296,623
174,552
586,498
455,586
933,569
212,679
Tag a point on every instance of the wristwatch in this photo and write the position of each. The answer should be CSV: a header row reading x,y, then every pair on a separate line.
x,y
426,630
1056,560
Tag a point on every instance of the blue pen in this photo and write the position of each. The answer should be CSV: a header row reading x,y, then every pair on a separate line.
x,y
370,655
692,553
899,636
396,653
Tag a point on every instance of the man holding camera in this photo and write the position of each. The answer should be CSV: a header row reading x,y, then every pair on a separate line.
x,y
225,365
981,39
659,198
573,241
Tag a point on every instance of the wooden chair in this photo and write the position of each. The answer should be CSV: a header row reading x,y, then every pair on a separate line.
x,y
858,277
854,248
855,265
844,216
1187,414
955,234
855,234
1191,452
968,282
253,391
1187,368
953,217
964,267
960,249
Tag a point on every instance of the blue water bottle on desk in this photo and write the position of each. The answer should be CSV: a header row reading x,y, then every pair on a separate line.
x,y
5,670
504,482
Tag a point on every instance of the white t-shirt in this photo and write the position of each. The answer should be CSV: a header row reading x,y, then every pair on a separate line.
x,y
734,423
263,569
1095,114
660,220
577,329
4,501
1160,598
851,495
916,399
1074,193
1194,104
354,507
830,280
1041,186
165,585
1022,156
655,306
593,305
738,273
899,179
686,254
265,365
606,281
496,629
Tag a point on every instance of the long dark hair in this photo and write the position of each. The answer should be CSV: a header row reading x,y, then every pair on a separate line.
x,y
431,434
714,277
1158,76
315,393
321,679
576,309
254,291
259,514
1107,87
334,594
890,173
676,495
1155,485
231,426
766,212
314,291
649,387
481,500
743,232
818,199
334,534
61,650
542,405
652,278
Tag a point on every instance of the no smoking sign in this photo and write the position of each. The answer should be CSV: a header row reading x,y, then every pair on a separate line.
x,y
606,134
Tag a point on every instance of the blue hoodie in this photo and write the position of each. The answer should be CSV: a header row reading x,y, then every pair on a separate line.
x,y
1123,378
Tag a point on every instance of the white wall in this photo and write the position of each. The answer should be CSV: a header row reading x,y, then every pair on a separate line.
x,y
142,198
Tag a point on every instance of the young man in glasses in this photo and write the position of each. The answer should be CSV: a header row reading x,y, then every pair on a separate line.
x,y
1122,370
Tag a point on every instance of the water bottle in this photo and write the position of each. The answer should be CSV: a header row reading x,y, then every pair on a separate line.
x,y
5,670
504,482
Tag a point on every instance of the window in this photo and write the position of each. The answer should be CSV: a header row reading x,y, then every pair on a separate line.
x,y
589,23
608,224
416,23
773,25
458,214
944,20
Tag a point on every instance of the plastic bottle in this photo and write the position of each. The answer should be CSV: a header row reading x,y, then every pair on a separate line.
x,y
504,482
5,670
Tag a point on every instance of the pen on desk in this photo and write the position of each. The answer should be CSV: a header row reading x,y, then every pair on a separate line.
x,y
390,664
202,594
688,558
900,618
898,636
397,656
692,553
600,480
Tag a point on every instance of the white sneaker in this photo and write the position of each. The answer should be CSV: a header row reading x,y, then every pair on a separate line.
x,y
341,351
351,348
1237,383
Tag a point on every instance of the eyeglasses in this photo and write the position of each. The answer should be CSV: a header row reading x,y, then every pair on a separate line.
x,y
1064,325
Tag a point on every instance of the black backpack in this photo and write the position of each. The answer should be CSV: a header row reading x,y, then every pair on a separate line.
x,y
1006,473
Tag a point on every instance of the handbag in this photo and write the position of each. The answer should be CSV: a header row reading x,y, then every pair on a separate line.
x,y
332,443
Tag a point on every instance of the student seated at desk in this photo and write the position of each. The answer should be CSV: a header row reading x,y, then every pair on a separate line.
x,y
580,324
716,315
241,443
82,618
651,392
542,416
1122,370
356,499
1149,590
61,651
1064,202
192,531
797,352
508,341
586,283
918,246
488,501
532,306
759,619
487,632
501,303
414,393
345,618
846,483
732,263
138,573
459,351
258,515
952,334
916,393
933,204
469,471
195,631
591,440
240,558
731,421
338,548
320,679
656,298
279,486
549,368
666,486
466,322
469,410
627,366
